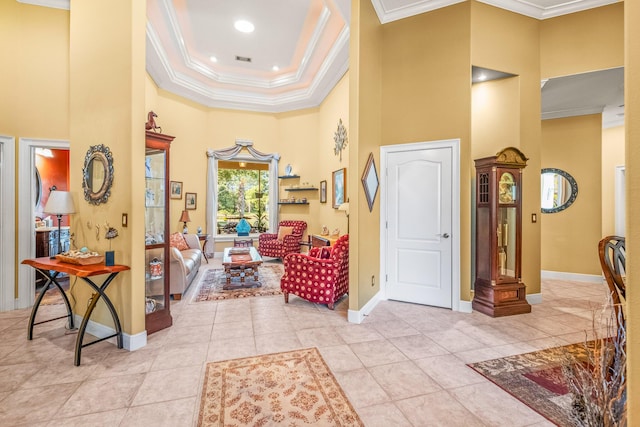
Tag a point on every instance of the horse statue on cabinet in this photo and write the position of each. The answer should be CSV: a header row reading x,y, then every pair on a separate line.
x,y
151,122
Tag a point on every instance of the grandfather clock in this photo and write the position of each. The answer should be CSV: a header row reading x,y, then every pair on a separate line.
x,y
498,289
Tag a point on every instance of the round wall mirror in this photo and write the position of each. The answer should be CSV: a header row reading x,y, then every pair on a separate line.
x,y
559,190
97,174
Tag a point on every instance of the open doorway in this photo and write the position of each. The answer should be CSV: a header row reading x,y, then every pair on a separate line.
x,y
38,174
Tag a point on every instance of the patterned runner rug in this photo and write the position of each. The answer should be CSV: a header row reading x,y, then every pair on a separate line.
x,y
536,379
210,287
291,388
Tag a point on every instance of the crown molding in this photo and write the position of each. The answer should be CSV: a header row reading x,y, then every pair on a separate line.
x,y
331,71
55,4
386,15
528,9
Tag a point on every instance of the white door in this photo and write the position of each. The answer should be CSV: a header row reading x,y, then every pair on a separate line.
x,y
419,225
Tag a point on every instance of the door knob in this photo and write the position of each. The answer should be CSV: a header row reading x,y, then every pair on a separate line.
x,y
445,235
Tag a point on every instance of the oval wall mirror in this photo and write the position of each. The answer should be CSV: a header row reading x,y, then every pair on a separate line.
x,y
97,174
559,190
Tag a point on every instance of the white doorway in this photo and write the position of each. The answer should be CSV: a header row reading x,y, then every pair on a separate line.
x,y
620,201
420,222
7,227
26,214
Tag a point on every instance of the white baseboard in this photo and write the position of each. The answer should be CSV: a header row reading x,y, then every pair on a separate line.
x,y
129,342
358,316
465,307
534,298
574,277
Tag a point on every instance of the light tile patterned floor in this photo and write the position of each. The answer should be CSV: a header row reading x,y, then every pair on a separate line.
x,y
403,366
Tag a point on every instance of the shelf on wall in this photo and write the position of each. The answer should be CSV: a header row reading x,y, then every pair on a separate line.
x,y
301,189
289,176
293,203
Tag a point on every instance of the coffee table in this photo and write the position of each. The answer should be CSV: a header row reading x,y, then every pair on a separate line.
x,y
241,268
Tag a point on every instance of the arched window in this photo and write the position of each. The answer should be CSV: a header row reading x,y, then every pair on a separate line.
x,y
241,152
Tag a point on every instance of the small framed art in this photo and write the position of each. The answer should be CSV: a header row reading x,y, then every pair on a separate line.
x,y
190,201
339,178
323,191
176,190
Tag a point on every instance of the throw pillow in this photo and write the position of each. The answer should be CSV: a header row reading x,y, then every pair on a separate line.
x,y
176,240
284,231
323,252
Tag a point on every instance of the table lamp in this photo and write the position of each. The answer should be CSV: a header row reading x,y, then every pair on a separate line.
x,y
185,219
345,207
59,203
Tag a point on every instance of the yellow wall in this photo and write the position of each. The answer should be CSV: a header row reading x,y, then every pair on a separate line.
x,y
570,237
34,41
584,41
107,107
508,42
365,103
303,138
612,157
632,160
495,118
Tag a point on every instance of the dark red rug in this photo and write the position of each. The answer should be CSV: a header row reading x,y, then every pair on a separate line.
x,y
537,379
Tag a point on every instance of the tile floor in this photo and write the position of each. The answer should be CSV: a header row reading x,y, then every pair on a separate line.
x,y
403,366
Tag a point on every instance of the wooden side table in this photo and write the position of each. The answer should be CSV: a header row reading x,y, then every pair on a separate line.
x,y
317,240
51,268
204,238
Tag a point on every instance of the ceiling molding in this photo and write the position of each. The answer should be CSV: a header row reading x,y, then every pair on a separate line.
x,y
331,71
409,8
56,4
532,10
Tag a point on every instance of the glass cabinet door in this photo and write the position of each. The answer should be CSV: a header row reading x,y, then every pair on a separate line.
x,y
156,263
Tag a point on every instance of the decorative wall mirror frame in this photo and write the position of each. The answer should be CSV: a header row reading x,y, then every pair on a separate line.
x,y
97,174
558,190
370,181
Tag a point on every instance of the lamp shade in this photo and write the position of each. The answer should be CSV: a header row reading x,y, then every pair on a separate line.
x,y
185,217
59,203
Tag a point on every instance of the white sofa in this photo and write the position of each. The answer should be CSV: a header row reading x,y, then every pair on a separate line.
x,y
184,265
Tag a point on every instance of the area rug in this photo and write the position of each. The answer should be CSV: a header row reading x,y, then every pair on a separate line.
x,y
210,287
289,389
536,379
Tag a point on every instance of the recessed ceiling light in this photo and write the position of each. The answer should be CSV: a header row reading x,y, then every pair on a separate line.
x,y
213,59
275,68
244,26
482,77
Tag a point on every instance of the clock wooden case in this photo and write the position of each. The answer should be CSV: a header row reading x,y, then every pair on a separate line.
x,y
498,287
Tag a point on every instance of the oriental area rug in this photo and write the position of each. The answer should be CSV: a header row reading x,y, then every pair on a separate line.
x,y
210,287
537,379
289,389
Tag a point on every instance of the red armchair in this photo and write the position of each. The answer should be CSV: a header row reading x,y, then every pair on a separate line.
x,y
315,278
270,245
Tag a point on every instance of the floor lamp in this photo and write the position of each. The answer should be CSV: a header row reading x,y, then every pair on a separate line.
x,y
59,203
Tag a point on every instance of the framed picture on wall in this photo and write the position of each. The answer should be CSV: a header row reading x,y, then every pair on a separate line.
x,y
190,201
176,189
339,187
323,191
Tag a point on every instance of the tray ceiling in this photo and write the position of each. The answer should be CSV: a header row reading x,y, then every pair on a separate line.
x,y
307,40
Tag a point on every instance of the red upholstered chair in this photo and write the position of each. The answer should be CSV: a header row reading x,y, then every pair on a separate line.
x,y
322,276
270,245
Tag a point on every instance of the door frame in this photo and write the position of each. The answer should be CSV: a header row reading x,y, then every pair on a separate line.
x,y
454,145
620,202
26,214
8,228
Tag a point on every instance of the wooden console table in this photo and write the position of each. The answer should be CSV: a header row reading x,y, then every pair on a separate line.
x,y
51,268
